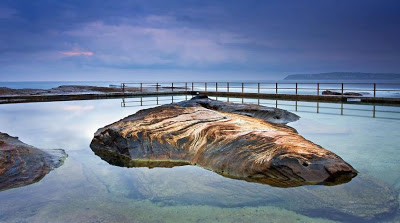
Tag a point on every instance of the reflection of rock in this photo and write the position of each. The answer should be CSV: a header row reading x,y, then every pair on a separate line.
x,y
21,164
233,145
189,192
125,161
75,193
328,92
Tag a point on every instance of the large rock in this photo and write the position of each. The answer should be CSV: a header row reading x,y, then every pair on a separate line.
x,y
22,164
214,137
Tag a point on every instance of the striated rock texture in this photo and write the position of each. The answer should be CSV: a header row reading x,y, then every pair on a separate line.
x,y
22,164
217,136
269,114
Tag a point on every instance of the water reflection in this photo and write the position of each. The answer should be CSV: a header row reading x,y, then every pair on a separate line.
x,y
88,189
342,109
269,177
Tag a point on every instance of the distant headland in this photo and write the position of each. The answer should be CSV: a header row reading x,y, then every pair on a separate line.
x,y
344,76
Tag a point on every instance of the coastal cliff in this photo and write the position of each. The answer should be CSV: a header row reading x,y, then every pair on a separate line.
x,y
344,76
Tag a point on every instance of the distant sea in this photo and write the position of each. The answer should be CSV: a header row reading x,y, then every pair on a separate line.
x,y
388,89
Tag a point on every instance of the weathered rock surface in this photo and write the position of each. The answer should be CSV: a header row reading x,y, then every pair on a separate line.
x,y
233,145
269,114
22,164
328,92
64,89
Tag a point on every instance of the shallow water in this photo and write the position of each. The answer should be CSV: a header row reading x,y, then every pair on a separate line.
x,y
88,189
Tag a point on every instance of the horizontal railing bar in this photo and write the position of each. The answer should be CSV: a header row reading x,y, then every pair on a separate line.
x,y
280,104
280,83
312,112
360,116
333,108
152,100
223,87
277,88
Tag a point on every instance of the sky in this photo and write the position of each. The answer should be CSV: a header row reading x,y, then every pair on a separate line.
x,y
171,40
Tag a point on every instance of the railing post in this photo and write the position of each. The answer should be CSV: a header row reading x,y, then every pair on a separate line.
x,y
276,88
205,86
157,87
242,87
296,91
141,87
227,86
186,87
216,86
123,88
342,89
317,88
192,86
172,86
341,108
172,99
373,112
374,90
141,101
258,90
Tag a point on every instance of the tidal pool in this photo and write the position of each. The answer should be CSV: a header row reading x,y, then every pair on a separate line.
x,y
88,189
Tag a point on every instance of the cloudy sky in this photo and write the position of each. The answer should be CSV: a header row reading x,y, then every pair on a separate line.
x,y
195,40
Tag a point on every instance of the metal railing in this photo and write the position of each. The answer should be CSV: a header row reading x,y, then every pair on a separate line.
x,y
342,109
292,88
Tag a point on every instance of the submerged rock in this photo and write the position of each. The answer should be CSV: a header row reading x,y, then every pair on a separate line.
x,y
364,199
22,164
222,137
328,92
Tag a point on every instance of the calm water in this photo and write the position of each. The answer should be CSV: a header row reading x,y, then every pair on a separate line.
x,y
88,189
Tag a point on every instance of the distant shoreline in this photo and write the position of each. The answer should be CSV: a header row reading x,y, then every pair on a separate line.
x,y
345,76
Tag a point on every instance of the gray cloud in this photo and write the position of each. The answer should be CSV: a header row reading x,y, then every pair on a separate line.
x,y
54,39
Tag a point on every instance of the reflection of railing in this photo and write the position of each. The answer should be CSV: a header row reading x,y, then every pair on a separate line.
x,y
342,109
138,101
305,88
